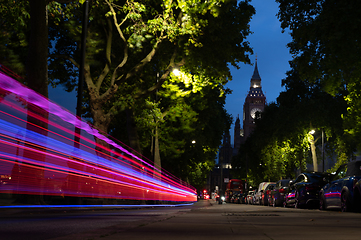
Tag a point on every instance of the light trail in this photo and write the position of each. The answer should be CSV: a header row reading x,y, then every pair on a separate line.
x,y
98,206
39,156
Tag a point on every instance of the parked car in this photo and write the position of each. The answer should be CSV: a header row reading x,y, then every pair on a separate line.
x,y
277,195
266,193
258,194
250,195
306,188
339,193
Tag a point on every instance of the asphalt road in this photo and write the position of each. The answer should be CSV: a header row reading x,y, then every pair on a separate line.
x,y
203,220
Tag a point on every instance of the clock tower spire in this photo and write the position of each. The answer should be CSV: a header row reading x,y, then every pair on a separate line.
x,y
254,103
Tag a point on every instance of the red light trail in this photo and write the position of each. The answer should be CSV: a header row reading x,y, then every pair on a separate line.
x,y
39,157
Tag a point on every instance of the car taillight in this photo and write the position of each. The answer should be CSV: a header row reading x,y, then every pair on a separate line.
x,y
282,190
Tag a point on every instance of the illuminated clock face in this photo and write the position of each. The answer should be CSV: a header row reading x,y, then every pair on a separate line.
x,y
253,112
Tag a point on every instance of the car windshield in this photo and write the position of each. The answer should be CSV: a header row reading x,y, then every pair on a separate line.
x,y
317,178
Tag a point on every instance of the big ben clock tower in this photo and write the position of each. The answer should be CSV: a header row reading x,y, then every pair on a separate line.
x,y
254,103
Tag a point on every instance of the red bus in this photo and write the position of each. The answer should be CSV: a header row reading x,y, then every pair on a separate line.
x,y
234,186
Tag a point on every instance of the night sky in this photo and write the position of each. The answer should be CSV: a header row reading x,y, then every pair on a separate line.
x,y
269,45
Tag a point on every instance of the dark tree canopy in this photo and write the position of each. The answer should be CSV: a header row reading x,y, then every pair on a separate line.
x,y
326,45
132,49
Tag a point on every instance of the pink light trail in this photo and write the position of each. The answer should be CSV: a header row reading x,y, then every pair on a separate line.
x,y
38,155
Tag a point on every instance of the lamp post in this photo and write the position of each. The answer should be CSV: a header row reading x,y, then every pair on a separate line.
x,y
313,150
220,201
323,152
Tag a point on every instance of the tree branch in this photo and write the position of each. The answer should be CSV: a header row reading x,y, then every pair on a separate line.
x,y
125,51
108,49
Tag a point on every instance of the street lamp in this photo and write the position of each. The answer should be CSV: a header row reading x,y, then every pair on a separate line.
x,y
323,152
313,150
176,72
312,142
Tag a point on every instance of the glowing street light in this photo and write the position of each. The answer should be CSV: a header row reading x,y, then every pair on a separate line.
x,y
176,72
323,147
313,150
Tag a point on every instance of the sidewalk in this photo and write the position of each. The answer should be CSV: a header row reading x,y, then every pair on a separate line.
x,y
207,222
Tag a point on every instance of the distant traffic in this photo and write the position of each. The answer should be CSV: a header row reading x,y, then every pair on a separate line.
x,y
340,190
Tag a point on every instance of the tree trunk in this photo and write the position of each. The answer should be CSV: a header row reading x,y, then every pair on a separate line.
x,y
134,139
101,123
157,161
37,62
314,157
156,154
37,79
